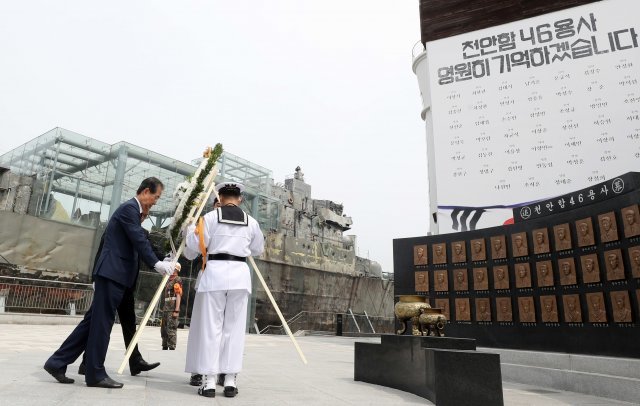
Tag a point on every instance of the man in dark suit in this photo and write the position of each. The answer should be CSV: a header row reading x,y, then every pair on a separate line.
x,y
115,272
127,316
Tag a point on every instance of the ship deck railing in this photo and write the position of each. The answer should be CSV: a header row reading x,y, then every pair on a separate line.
x,y
328,321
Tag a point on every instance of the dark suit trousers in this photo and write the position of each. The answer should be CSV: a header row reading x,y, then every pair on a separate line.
x,y
127,315
93,332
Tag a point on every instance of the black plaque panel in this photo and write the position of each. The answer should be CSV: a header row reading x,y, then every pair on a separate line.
x,y
586,301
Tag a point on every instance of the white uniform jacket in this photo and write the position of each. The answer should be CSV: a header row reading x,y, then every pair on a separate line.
x,y
222,238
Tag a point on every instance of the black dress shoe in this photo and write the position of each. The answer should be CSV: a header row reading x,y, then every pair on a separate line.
x,y
196,380
59,375
141,366
230,391
209,393
106,383
81,369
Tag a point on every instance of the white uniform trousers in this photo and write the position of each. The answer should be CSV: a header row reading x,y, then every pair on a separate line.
x,y
217,332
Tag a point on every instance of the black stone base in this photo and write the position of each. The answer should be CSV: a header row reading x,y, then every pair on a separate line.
x,y
447,371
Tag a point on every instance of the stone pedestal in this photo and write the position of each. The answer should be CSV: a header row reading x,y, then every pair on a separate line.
x,y
447,371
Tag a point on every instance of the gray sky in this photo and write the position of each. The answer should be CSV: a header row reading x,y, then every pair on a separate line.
x,y
326,85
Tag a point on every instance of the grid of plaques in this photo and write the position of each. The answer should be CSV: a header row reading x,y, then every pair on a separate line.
x,y
578,272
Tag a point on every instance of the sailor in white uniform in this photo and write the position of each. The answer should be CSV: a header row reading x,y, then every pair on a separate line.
x,y
222,290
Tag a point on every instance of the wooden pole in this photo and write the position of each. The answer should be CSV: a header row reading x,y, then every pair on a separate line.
x,y
275,305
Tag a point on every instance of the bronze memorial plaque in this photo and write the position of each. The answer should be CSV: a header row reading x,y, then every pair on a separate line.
x,y
422,281
614,265
567,271
480,279
590,268
441,280
483,309
584,228
504,309
444,305
420,255
540,241
595,303
572,311
460,281
463,312
630,218
520,246
544,271
562,237
549,309
439,253
621,306
634,260
478,250
608,227
500,277
498,247
526,310
523,275
459,253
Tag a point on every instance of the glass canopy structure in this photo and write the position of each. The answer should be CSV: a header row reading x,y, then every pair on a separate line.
x,y
82,180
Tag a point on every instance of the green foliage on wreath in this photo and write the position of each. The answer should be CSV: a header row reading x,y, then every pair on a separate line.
x,y
197,189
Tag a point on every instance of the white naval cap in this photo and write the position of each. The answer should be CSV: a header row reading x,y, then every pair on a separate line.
x,y
230,186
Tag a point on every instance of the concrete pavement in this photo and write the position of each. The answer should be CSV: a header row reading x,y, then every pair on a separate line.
x,y
273,375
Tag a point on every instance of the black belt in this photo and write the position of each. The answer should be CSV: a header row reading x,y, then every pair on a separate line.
x,y
226,257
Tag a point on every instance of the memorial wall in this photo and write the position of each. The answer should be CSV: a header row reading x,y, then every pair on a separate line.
x,y
530,109
565,277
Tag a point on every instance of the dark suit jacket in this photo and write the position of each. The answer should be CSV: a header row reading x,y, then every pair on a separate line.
x,y
124,240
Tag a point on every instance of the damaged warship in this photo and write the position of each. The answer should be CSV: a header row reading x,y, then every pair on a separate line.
x,y
62,184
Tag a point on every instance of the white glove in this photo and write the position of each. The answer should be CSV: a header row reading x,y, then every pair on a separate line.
x,y
163,268
170,259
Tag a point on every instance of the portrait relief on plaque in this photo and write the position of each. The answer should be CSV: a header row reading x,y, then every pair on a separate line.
x,y
478,250
483,309
498,247
441,281
567,270
444,305
500,277
460,281
630,218
480,279
420,255
463,313
440,253
549,309
526,310
562,237
459,253
590,268
540,241
634,260
422,281
523,275
572,311
621,306
597,312
608,227
520,246
584,228
614,265
544,272
504,309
